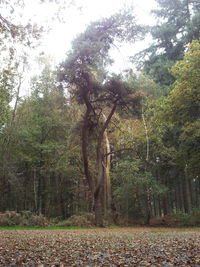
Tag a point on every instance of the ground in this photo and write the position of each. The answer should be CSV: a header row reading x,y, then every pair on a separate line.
x,y
100,247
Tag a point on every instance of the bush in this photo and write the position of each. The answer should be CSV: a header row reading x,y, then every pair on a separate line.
x,y
178,219
10,218
80,220
162,221
38,220
187,219
25,218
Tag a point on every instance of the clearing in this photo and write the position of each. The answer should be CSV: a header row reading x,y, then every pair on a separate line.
x,y
100,247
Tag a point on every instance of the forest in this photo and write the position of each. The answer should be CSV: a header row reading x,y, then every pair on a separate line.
x,y
122,147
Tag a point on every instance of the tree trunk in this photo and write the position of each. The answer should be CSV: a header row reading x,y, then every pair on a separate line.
x,y
98,210
98,200
181,193
107,183
35,186
187,196
95,185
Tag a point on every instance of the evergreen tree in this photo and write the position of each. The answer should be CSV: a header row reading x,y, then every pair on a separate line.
x,y
84,73
178,24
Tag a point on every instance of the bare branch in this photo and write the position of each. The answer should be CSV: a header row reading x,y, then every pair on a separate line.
x,y
117,151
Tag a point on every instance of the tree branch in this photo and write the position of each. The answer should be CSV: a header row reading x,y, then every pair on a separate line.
x,y
117,151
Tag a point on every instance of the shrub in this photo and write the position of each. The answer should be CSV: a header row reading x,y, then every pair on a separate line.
x,y
38,220
10,218
178,219
195,219
24,218
187,219
162,221
26,214
80,220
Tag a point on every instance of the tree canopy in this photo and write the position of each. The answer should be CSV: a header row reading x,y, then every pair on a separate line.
x,y
178,24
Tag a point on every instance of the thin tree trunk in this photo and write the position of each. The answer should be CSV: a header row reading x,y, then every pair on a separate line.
x,y
181,193
35,185
165,201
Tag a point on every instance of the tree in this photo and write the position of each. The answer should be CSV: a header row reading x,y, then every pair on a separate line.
x,y
135,188
16,40
41,170
184,103
178,24
84,73
174,136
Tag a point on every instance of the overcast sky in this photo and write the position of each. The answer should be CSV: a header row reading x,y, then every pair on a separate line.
x,y
58,42
76,17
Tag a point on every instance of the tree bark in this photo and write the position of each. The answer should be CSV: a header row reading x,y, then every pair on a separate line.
x,y
95,185
85,151
98,210
107,183
101,167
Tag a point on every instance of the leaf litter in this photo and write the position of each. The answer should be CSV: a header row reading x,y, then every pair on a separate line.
x,y
100,247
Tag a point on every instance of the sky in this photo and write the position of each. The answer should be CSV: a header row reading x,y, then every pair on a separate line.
x,y
77,16
74,19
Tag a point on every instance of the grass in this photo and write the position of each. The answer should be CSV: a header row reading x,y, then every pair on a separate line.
x,y
157,230
43,228
57,227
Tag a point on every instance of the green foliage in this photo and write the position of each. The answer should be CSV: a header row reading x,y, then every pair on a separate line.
x,y
183,105
143,83
41,156
132,186
43,124
178,24
90,51
40,161
174,134
16,40
6,88
185,97
185,219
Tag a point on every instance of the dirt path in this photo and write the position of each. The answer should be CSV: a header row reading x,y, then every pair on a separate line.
x,y
100,247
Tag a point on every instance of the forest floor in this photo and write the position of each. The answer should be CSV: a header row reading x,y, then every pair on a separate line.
x,y
101,247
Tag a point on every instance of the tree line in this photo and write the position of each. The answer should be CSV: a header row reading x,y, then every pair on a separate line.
x,y
125,147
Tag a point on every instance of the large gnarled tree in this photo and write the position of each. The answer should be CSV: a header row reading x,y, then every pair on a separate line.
x,y
85,75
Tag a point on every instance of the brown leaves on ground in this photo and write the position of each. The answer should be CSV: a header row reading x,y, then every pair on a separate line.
x,y
100,247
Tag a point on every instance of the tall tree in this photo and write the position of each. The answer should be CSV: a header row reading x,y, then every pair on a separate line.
x,y
178,24
16,40
174,136
184,105
84,73
42,171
